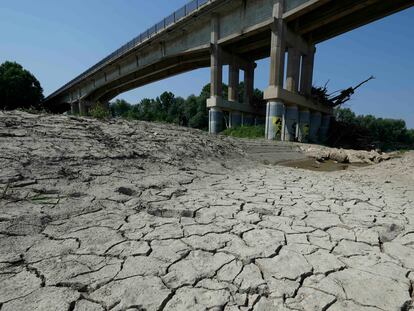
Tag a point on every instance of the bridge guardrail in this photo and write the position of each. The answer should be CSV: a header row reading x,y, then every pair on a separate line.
x,y
184,11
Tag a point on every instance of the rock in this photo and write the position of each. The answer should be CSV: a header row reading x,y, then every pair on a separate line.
x,y
44,299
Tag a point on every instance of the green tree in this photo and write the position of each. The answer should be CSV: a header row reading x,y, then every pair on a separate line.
x,y
18,87
385,133
120,108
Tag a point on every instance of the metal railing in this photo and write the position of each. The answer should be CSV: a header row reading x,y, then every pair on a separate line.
x,y
181,13
186,10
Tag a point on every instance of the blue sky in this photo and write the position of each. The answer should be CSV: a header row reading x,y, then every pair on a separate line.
x,y
57,40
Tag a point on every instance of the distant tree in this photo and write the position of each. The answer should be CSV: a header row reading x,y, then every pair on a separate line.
x,y
384,133
120,108
345,115
18,87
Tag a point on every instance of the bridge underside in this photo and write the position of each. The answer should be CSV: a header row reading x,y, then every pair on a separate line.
x,y
237,33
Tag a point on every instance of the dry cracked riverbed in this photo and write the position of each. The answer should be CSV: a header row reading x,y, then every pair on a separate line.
x,y
140,216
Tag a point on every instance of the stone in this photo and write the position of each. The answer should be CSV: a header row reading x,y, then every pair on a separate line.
x,y
44,299
197,265
146,292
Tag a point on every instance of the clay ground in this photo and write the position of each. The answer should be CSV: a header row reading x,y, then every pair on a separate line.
x,y
138,216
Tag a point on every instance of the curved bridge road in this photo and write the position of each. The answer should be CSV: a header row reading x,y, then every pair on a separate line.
x,y
139,216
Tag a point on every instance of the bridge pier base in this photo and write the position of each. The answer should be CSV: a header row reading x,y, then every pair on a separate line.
x,y
315,124
324,129
74,108
83,108
303,126
235,119
274,116
215,120
290,123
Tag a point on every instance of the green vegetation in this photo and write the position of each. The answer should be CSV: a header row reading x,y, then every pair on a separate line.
x,y
254,131
190,112
18,88
100,112
385,134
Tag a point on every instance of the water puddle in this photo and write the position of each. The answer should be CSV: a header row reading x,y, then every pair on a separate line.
x,y
326,166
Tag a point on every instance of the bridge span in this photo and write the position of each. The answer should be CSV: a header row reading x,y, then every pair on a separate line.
x,y
214,33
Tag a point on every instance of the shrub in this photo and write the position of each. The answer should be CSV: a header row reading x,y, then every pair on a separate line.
x,y
100,112
251,131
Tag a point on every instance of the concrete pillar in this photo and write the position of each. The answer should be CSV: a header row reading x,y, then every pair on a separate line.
x,y
293,70
306,79
83,110
274,119
216,70
215,116
290,123
324,129
303,126
275,107
74,108
235,118
278,47
216,63
233,83
315,124
249,84
248,119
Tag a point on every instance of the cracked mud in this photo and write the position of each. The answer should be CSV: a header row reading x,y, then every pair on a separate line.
x,y
138,216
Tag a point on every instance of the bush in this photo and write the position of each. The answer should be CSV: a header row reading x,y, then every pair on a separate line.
x,y
253,131
100,112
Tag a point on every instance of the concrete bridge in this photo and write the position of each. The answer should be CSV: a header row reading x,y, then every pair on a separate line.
x,y
214,33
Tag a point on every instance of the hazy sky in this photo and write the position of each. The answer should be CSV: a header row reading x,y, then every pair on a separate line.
x,y
58,39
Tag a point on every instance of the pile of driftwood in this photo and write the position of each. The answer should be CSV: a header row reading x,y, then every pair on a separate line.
x,y
335,99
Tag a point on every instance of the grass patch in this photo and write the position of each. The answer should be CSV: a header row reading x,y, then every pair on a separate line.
x,y
42,199
250,131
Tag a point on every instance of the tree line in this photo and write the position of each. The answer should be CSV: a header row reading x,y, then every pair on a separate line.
x,y
190,111
20,89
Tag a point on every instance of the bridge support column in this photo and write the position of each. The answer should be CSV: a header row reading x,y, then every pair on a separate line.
x,y
324,129
83,109
216,83
233,83
235,117
315,124
274,118
307,72
74,108
303,126
275,106
215,117
249,84
293,70
290,122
